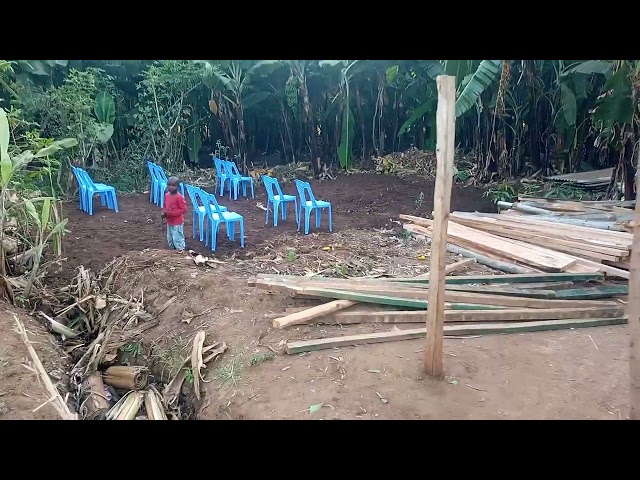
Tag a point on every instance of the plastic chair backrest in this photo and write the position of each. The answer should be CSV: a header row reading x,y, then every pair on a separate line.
x,y
160,172
234,169
270,184
303,189
86,179
227,166
81,182
219,167
192,192
209,201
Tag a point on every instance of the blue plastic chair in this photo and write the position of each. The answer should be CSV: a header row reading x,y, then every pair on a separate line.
x,y
161,184
304,189
199,211
82,190
221,175
276,198
215,216
236,179
152,190
107,192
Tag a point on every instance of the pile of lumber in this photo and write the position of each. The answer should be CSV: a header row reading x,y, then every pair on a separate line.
x,y
540,235
474,305
595,180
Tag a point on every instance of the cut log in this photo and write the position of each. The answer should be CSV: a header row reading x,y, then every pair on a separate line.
x,y
311,313
458,330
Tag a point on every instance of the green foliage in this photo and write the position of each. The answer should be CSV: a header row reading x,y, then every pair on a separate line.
x,y
36,217
345,150
515,117
503,192
105,108
479,81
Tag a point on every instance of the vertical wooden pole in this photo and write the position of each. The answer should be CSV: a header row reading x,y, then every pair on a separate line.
x,y
445,147
633,312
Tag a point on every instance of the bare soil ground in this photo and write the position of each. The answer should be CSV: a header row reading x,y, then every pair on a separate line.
x,y
576,374
21,391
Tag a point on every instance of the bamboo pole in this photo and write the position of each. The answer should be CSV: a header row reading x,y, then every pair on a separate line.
x,y
634,319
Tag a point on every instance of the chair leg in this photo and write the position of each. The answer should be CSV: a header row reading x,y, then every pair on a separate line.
x,y
330,220
193,221
295,204
242,232
318,217
299,215
307,216
90,205
115,202
276,207
201,220
252,192
266,216
231,228
214,235
284,210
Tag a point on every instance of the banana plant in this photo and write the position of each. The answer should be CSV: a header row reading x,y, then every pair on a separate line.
x,y
12,164
48,228
233,78
105,111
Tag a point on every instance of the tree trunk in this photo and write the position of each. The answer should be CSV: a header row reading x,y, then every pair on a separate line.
x,y
242,140
534,136
309,120
361,121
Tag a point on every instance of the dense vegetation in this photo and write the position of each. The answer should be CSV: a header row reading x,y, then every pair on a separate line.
x,y
517,117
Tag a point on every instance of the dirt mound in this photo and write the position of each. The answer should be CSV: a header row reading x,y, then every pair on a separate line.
x,y
21,391
187,298
418,162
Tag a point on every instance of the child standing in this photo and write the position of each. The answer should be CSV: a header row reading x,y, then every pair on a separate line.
x,y
173,215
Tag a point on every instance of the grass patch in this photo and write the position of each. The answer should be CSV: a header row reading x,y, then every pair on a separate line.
x,y
230,372
173,357
261,358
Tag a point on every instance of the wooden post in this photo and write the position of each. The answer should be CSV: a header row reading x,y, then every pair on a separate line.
x,y
633,311
445,147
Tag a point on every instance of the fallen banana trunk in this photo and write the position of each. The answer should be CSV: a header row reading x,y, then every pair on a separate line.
x,y
96,404
129,378
127,407
153,403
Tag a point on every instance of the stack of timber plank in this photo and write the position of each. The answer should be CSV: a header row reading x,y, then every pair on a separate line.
x,y
541,235
595,180
474,305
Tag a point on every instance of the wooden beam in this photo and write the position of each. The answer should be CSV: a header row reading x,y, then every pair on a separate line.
x,y
481,329
445,149
460,280
452,267
311,313
450,316
633,309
